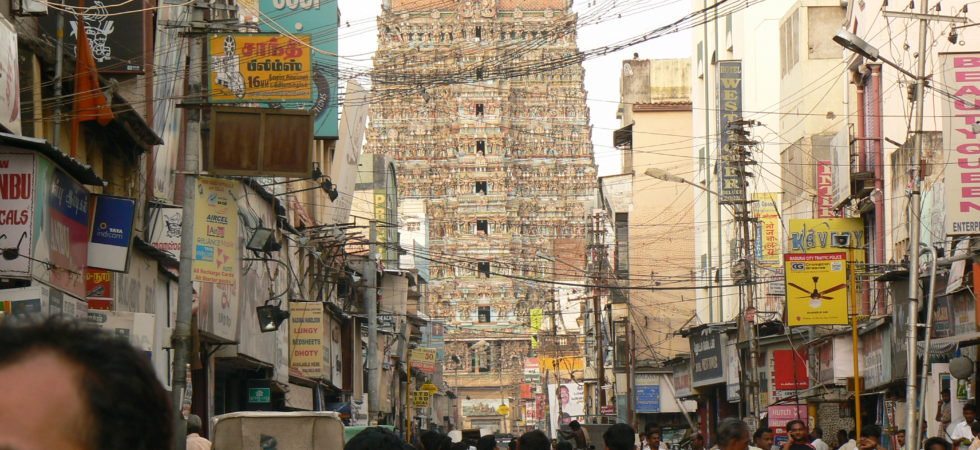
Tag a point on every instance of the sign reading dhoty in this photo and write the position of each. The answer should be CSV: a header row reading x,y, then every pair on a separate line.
x,y
961,76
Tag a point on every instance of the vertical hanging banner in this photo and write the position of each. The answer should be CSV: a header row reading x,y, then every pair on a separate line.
x,y
215,231
98,289
729,110
319,18
825,190
306,339
962,144
768,247
9,78
816,289
62,229
112,232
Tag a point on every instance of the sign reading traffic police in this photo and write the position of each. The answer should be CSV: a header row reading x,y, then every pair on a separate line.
x,y
816,289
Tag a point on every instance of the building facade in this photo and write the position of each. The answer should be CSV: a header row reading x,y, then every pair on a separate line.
x,y
496,145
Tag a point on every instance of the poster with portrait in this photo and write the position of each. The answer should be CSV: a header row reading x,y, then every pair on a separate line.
x,y
567,403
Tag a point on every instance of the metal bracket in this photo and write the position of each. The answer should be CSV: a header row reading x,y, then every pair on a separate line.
x,y
936,17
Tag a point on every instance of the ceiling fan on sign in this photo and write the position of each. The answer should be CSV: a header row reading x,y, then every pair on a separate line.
x,y
817,296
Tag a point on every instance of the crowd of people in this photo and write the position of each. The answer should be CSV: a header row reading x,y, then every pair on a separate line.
x,y
617,437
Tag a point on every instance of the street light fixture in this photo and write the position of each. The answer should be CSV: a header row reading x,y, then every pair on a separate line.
x,y
270,317
857,45
664,175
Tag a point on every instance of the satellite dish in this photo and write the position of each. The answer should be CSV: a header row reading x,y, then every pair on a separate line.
x,y
961,367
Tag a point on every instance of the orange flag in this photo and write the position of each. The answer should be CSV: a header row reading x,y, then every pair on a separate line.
x,y
90,103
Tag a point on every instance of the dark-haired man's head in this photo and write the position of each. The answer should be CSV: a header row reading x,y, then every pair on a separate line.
x,y
375,438
574,425
797,431
817,433
762,438
618,437
564,445
534,440
733,434
487,442
433,440
945,395
937,443
68,386
194,424
900,437
970,412
870,437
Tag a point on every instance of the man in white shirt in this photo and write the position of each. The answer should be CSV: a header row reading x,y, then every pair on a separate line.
x,y
762,439
852,443
817,439
962,435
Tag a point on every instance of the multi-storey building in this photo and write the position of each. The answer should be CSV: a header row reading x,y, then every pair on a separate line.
x,y
482,106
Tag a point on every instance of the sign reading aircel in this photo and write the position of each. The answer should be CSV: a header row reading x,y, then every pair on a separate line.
x,y
215,231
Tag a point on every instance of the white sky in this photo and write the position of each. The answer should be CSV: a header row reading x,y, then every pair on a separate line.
x,y
625,19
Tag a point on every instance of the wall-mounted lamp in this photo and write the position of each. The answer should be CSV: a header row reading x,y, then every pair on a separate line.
x,y
263,240
270,317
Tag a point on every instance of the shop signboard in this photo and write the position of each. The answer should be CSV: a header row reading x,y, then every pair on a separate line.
x,y
647,393
816,289
780,415
61,226
306,339
827,236
137,328
707,358
98,288
876,367
259,68
9,78
963,308
319,18
32,302
733,391
111,232
423,360
730,101
768,246
841,162
941,318
789,370
115,33
682,380
165,223
421,398
17,193
532,370
823,354
825,189
962,172
216,231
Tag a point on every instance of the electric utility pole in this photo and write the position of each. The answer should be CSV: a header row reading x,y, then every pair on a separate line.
x,y
742,271
596,249
371,298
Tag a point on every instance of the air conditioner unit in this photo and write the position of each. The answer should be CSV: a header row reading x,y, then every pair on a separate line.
x,y
29,7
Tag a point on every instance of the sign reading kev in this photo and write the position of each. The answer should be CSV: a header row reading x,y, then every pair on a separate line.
x,y
961,76
215,231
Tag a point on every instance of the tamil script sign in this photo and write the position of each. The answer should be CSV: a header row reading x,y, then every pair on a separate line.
x,y
707,350
423,360
816,289
215,231
259,68
647,397
961,76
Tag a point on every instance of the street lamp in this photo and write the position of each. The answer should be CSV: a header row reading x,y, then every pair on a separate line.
x,y
664,175
857,45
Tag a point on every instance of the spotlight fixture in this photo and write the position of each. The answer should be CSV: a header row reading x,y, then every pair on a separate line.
x,y
263,240
330,189
270,317
953,37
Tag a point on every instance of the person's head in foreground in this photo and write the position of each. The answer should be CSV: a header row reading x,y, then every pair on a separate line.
x,y
900,438
619,437
697,441
797,431
937,443
487,442
433,440
733,434
763,438
534,440
375,438
870,437
69,386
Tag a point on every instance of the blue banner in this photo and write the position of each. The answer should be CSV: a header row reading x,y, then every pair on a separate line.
x,y
647,398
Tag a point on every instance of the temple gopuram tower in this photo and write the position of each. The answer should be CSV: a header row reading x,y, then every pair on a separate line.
x,y
482,106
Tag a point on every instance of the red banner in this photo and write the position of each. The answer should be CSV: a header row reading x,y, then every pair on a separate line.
x,y
789,370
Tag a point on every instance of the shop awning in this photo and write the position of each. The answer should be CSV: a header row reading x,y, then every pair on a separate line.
x,y
82,172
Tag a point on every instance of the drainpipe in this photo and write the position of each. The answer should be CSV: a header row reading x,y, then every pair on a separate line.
x,y
933,261
879,192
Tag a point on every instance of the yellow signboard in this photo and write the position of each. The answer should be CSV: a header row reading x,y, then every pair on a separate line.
x,y
816,288
503,410
769,248
564,364
421,398
537,316
423,359
257,67
430,388
830,235
215,231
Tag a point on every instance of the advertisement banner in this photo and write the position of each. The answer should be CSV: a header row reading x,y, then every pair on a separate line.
x,y
164,226
707,355
306,339
319,18
98,289
876,367
259,68
215,231
350,144
567,402
828,236
730,110
825,190
61,225
537,317
423,360
816,289
137,328
780,415
681,377
112,232
115,32
563,364
733,373
789,370
9,78
217,309
647,393
841,167
961,144
17,192
768,246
